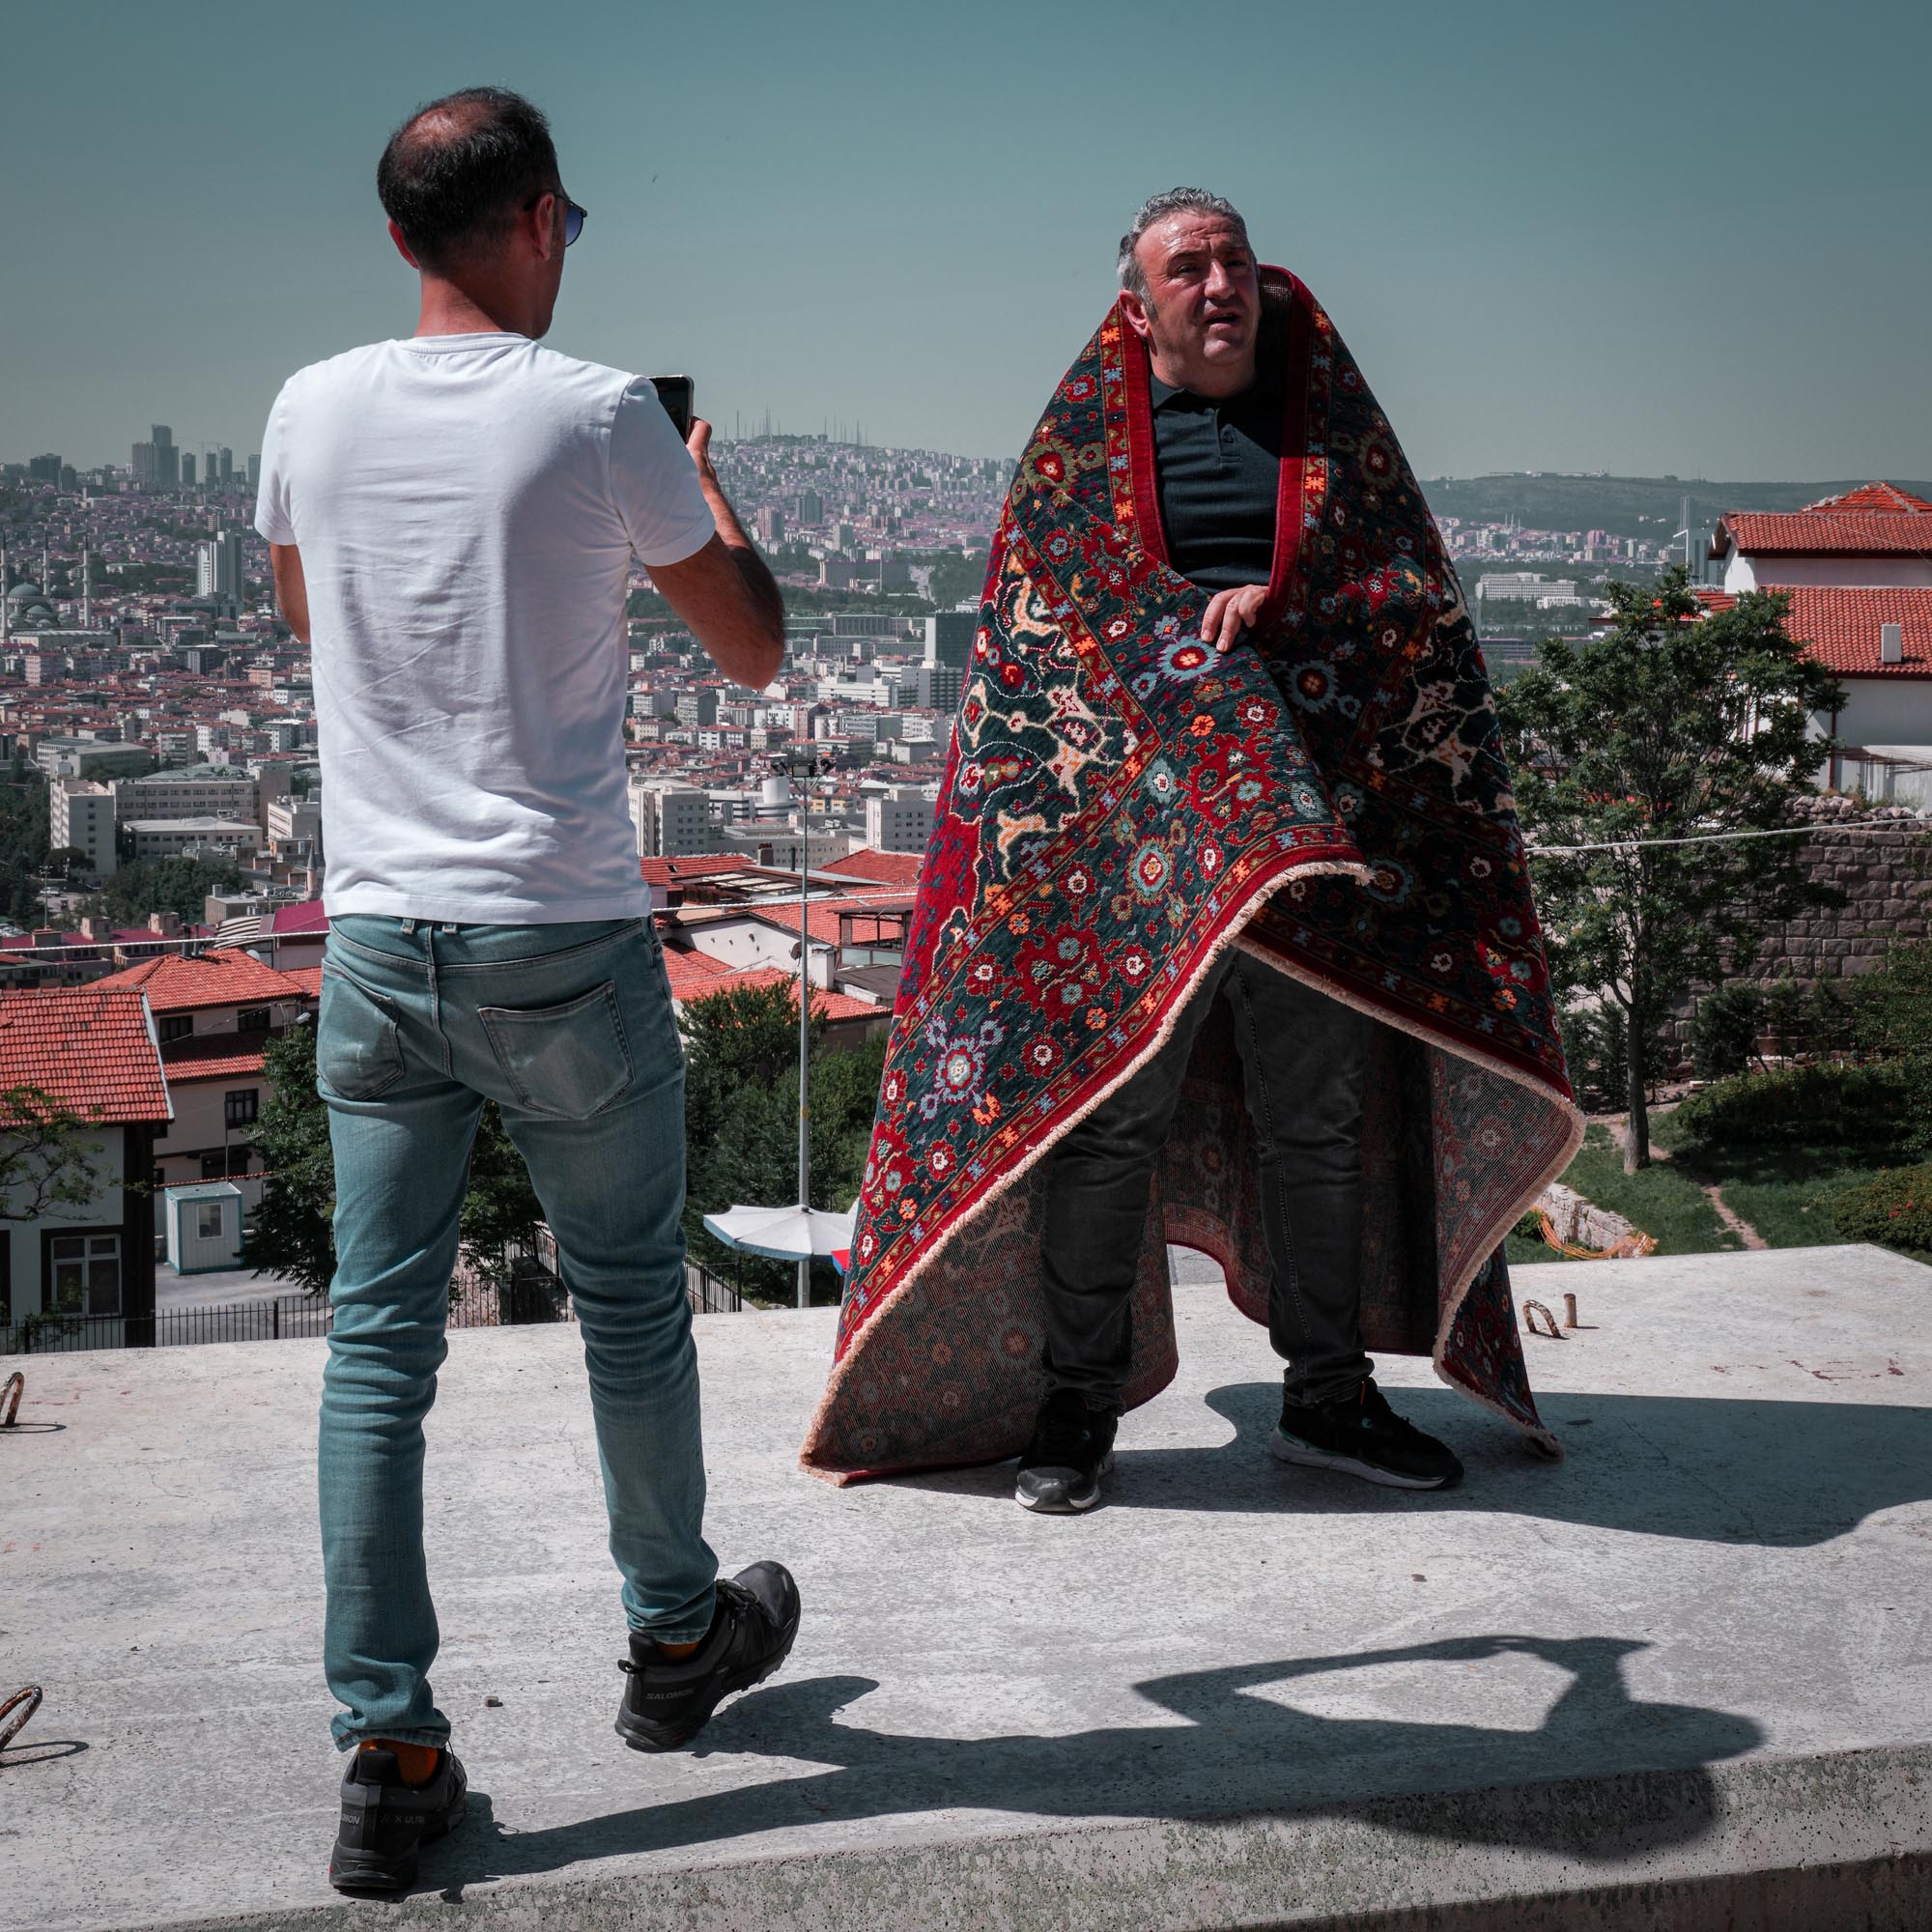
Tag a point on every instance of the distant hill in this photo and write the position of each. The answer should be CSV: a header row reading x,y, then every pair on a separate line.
x,y
1626,506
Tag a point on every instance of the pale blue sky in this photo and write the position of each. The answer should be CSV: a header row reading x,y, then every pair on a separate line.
x,y
1629,236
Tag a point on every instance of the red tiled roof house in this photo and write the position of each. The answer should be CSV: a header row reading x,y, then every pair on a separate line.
x,y
92,1050
1858,570
215,1012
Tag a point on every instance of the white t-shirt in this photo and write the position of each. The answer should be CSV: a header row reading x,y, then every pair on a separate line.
x,y
466,508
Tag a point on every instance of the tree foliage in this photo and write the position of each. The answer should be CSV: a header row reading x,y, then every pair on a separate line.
x,y
741,1120
180,886
1671,726
23,843
46,1156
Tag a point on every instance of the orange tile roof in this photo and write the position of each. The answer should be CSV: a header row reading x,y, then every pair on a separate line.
x,y
1880,498
308,977
686,969
834,1005
1842,626
221,977
885,868
91,1048
211,1056
1822,534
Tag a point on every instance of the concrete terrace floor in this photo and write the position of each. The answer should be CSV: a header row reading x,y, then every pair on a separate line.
x,y
1683,1677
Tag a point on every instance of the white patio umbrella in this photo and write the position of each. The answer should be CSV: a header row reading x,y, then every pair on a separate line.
x,y
785,1234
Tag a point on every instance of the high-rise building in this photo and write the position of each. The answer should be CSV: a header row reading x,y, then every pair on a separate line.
x,y
227,467
187,469
771,525
80,818
167,458
898,821
948,638
43,469
255,471
671,821
219,567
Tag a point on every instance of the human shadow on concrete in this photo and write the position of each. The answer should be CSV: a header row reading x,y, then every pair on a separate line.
x,y
1237,1751
1711,1470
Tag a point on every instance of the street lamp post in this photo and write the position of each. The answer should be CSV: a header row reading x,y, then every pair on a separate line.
x,y
800,767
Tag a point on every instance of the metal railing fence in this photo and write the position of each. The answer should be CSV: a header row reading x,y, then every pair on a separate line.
x,y
532,1295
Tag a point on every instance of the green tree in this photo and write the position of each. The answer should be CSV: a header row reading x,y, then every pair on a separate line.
x,y
180,886
741,1118
291,1234
1671,726
46,1159
293,1226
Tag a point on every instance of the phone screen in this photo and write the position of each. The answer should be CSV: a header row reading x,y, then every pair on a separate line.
x,y
675,392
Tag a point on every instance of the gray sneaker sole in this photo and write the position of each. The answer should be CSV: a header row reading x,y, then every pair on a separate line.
x,y
1060,1500
1285,1449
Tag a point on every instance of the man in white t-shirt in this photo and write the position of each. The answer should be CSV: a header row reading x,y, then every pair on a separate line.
x,y
453,520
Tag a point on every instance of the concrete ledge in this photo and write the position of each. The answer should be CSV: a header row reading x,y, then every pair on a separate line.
x,y
1683,1678
1757,1847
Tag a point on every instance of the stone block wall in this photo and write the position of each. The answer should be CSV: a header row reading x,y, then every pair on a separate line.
x,y
1884,872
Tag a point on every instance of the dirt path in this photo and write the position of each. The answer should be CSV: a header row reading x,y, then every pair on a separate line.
x,y
1710,1190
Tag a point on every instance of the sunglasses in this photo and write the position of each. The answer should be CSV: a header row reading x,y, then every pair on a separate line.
x,y
574,218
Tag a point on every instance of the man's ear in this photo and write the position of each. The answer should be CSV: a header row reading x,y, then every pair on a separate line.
x,y
1135,311
544,225
403,247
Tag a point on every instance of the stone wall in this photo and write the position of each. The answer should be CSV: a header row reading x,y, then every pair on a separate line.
x,y
1885,875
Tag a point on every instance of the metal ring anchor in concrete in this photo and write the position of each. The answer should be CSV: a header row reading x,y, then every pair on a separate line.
x,y
11,1726
1530,1311
9,1399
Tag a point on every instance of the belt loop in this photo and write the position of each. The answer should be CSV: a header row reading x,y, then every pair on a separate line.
x,y
409,928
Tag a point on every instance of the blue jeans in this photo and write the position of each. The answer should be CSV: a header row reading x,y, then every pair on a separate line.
x,y
570,1030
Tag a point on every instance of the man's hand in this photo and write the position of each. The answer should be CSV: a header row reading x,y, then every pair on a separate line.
x,y
1230,612
725,593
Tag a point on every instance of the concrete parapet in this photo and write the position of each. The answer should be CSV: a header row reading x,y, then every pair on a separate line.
x,y
1674,1680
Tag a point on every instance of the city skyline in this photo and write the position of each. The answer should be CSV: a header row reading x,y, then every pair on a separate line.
x,y
1554,245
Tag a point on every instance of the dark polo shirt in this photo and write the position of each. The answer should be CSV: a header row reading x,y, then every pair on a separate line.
x,y
1218,468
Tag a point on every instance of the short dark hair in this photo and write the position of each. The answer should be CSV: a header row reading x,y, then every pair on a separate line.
x,y
458,170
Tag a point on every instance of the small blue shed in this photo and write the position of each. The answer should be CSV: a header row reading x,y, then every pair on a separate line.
x,y
204,1227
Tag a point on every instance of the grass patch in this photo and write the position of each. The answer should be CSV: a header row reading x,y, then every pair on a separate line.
x,y
1780,1189
1662,1200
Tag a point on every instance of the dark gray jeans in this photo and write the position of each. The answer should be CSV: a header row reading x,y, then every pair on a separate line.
x,y
1302,1062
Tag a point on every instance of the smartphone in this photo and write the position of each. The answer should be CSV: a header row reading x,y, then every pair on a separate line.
x,y
674,393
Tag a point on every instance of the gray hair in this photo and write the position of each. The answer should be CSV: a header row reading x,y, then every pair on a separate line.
x,y
1157,207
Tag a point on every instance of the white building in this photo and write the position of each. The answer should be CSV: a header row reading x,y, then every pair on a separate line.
x,y
80,815
218,567
199,791
171,838
1858,572
899,820
672,820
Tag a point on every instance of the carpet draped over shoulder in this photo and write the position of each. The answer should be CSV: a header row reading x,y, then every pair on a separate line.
x,y
1121,805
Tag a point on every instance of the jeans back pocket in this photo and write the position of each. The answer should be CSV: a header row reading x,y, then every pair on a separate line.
x,y
569,1061
358,1048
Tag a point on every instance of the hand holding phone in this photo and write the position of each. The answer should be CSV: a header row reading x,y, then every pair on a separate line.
x,y
675,392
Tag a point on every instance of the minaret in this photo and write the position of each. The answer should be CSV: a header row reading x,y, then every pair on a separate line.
x,y
86,589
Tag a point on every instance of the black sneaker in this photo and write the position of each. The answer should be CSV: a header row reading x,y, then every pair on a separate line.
x,y
1362,1435
668,1700
1072,1448
384,1821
